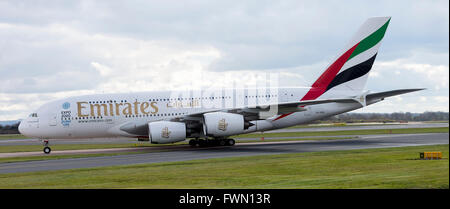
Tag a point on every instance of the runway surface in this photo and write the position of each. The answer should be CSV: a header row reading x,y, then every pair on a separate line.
x,y
243,149
315,128
361,127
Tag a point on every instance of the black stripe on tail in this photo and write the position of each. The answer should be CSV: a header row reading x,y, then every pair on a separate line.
x,y
353,72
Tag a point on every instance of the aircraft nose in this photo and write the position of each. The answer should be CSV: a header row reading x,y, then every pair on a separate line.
x,y
21,127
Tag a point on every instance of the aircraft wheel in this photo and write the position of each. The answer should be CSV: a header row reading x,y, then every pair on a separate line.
x,y
193,142
202,143
222,142
231,142
47,150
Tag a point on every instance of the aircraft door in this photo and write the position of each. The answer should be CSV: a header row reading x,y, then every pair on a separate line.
x,y
52,120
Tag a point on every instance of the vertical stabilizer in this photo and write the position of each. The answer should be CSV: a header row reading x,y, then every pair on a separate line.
x,y
350,70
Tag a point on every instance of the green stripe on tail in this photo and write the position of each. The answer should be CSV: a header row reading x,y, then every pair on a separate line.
x,y
370,40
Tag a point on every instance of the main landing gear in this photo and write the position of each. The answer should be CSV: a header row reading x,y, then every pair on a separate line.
x,y
211,142
47,149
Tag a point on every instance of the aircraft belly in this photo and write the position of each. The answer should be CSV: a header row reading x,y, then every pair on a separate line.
x,y
315,112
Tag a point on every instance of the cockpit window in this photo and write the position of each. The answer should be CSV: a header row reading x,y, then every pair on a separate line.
x,y
33,115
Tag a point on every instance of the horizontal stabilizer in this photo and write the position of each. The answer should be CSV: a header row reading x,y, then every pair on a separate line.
x,y
382,95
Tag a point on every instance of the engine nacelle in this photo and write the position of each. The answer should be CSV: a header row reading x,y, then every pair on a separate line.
x,y
162,132
217,124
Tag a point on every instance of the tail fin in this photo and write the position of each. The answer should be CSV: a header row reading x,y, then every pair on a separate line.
x,y
350,70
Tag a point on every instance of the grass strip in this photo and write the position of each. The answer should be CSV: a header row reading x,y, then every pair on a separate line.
x,y
367,168
12,136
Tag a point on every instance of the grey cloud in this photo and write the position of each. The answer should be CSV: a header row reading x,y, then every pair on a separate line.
x,y
262,26
299,37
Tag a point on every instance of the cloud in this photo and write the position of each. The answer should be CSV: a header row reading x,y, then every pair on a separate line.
x,y
252,34
54,49
434,74
74,60
409,103
441,99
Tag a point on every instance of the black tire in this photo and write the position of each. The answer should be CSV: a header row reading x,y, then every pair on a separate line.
x,y
222,142
202,143
47,150
231,142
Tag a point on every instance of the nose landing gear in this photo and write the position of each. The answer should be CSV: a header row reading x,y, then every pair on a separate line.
x,y
47,149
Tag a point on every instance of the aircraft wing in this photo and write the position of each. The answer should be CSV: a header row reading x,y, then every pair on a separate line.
x,y
298,106
249,112
253,112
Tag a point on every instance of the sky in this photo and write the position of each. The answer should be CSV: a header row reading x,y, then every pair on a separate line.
x,y
54,49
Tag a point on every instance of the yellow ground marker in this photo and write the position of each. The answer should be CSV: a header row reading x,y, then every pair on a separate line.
x,y
431,155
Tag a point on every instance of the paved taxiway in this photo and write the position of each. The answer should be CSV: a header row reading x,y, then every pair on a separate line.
x,y
242,149
361,127
314,128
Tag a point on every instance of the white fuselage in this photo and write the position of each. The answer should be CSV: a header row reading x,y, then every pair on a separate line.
x,y
99,116
170,116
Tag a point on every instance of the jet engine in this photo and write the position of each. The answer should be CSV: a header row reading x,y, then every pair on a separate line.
x,y
162,132
217,124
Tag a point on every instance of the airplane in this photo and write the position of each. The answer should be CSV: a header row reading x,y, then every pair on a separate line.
x,y
212,117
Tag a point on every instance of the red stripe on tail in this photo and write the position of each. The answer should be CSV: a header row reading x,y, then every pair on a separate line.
x,y
320,86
